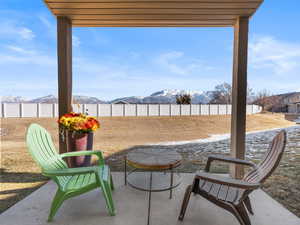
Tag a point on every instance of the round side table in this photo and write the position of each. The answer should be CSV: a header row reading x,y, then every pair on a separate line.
x,y
150,169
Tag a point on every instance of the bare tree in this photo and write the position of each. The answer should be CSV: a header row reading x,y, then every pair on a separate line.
x,y
264,99
221,94
183,99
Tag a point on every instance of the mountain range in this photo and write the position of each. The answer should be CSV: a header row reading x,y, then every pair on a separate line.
x,y
163,96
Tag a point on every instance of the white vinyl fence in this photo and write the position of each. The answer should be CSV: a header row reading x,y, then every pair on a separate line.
x,y
105,110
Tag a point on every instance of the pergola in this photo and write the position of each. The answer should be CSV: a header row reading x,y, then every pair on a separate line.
x,y
159,13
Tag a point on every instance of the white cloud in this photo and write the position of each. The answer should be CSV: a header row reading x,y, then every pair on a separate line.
x,y
270,53
25,33
10,30
75,41
20,50
176,62
21,55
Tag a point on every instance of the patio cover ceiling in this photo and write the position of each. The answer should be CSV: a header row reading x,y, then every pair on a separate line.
x,y
153,13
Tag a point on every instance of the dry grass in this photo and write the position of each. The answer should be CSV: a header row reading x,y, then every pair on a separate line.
x,y
20,175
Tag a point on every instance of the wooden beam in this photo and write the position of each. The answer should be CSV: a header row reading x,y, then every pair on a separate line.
x,y
239,93
64,55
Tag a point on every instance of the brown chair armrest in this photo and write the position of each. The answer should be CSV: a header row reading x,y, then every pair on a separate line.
x,y
226,159
227,181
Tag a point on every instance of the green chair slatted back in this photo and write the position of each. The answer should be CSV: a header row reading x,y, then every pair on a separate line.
x,y
43,151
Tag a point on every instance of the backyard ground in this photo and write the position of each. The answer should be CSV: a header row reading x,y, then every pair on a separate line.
x,y
20,176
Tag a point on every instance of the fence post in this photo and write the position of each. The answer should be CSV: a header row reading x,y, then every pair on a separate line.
x,y
38,108
3,110
98,110
252,109
21,110
136,109
218,110
83,108
148,113
200,109
170,109
53,110
180,110
209,109
111,110
158,109
123,109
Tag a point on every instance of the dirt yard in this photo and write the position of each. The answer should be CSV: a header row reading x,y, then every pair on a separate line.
x,y
20,175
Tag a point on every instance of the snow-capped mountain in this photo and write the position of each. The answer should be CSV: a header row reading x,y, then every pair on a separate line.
x,y
168,96
163,96
44,99
12,99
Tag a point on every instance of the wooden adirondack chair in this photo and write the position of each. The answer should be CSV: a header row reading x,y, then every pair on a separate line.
x,y
70,181
232,194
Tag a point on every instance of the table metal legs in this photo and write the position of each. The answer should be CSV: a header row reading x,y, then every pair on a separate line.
x,y
171,183
125,169
149,203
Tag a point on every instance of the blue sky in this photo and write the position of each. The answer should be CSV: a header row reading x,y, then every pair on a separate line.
x,y
114,62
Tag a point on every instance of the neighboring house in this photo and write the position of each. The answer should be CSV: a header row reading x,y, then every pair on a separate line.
x,y
293,102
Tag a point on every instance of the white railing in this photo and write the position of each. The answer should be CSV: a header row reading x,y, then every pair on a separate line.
x,y
105,110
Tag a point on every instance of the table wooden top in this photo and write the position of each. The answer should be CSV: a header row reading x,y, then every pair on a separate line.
x,y
154,159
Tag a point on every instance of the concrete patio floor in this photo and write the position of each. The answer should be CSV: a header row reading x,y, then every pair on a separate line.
x,y
131,205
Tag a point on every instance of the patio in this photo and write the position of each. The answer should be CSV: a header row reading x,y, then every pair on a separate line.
x,y
131,208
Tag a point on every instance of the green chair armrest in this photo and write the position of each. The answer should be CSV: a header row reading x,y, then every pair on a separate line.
x,y
69,171
81,153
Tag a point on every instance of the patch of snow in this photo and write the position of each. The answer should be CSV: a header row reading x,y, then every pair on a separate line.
x,y
212,138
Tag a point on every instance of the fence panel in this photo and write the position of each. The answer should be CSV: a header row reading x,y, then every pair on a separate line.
x,y
142,110
185,110
29,110
12,110
249,109
104,110
204,109
91,109
130,109
222,109
153,110
229,108
195,110
164,110
214,109
77,108
118,110
51,110
45,110
175,110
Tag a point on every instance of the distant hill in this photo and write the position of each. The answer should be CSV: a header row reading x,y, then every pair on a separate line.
x,y
159,97
12,99
51,99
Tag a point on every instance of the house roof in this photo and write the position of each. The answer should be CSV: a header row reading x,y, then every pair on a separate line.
x,y
153,13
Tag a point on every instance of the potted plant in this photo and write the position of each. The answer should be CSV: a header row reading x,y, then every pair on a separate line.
x,y
77,129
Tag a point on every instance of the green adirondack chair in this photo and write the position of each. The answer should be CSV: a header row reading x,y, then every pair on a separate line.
x,y
70,181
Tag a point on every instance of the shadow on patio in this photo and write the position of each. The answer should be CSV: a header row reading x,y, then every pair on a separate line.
x,y
131,208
